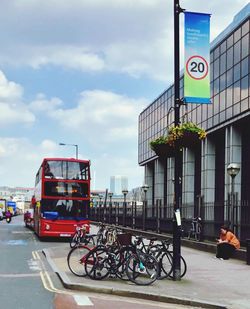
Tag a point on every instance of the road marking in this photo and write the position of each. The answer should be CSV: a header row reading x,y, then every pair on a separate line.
x,y
22,232
82,300
34,265
17,242
18,275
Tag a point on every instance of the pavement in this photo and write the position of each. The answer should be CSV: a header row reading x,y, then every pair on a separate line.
x,y
208,283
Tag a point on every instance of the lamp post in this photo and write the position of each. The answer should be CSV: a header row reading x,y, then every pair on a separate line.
x,y
145,188
62,144
99,208
124,192
178,154
110,194
232,170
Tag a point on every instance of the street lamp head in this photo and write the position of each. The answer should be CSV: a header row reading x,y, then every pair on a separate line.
x,y
125,191
110,194
233,169
62,144
145,187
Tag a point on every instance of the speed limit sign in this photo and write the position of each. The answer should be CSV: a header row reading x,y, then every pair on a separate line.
x,y
197,67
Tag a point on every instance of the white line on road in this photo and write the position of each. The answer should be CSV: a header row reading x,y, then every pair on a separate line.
x,y
82,300
18,275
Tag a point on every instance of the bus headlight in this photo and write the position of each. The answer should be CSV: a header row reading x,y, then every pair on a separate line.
x,y
47,227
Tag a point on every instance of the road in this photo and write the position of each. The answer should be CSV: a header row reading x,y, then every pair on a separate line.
x,y
27,280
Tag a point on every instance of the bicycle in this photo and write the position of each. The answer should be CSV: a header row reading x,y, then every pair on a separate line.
x,y
164,256
76,259
81,236
196,229
124,262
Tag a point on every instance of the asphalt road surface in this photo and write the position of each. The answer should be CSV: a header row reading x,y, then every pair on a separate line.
x,y
27,281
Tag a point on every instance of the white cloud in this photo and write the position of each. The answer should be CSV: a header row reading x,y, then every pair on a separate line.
x,y
41,104
12,108
132,37
104,115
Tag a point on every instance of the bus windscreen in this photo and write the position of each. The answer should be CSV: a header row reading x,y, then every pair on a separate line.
x,y
66,170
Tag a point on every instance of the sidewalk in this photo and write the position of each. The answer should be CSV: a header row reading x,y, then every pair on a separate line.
x,y
209,282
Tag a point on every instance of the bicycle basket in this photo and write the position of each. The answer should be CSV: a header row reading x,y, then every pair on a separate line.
x,y
124,239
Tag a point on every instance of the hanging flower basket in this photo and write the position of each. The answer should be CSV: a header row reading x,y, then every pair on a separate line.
x,y
164,150
189,139
187,134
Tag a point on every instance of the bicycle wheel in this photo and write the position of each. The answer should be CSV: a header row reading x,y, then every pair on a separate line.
x,y
142,268
76,260
88,240
165,264
74,240
183,266
97,263
122,256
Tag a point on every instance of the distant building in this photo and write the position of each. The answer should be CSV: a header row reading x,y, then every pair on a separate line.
x,y
118,183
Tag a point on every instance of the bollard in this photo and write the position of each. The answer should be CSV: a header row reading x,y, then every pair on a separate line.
x,y
248,251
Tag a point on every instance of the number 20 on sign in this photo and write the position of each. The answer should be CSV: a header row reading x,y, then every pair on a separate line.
x,y
197,67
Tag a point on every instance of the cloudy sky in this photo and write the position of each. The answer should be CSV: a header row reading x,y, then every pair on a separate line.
x,y
80,72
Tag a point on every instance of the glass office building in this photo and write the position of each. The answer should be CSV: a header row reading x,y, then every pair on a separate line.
x,y
206,186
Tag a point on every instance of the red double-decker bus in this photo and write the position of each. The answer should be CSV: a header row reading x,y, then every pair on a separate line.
x,y
62,196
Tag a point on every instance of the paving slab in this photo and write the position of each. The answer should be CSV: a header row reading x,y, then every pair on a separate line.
x,y
208,283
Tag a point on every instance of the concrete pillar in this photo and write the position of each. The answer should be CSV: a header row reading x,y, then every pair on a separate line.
x,y
159,181
170,181
149,176
188,177
233,155
208,174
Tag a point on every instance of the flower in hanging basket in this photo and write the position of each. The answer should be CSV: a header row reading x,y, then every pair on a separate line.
x,y
162,146
187,134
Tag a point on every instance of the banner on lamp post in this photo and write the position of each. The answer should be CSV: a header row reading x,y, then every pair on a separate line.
x,y
197,58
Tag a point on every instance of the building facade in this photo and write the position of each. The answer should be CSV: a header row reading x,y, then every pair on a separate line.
x,y
206,185
118,183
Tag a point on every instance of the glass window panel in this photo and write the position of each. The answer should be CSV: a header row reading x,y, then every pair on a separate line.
x,y
229,58
229,112
223,63
230,41
216,68
204,111
236,72
210,122
222,100
229,100
211,90
245,28
244,105
222,116
229,77
217,52
237,35
222,82
212,56
244,88
244,67
216,86
236,92
198,115
210,110
211,71
216,104
237,50
223,47
245,46
236,109
216,119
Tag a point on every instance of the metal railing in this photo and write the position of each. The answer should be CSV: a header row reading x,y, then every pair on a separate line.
x,y
159,218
